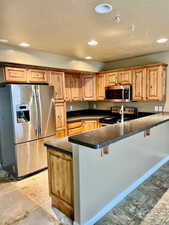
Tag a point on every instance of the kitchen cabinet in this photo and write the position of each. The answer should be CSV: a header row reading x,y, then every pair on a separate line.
x,y
90,125
60,172
68,96
74,127
89,87
15,75
125,77
139,84
37,76
81,126
76,94
60,113
57,80
156,77
100,87
111,78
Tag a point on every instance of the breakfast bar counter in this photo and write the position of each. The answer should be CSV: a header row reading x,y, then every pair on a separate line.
x,y
90,173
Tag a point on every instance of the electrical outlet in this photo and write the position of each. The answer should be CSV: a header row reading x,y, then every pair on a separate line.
x,y
156,108
160,108
71,107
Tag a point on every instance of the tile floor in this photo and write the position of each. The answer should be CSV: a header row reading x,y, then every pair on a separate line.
x,y
27,202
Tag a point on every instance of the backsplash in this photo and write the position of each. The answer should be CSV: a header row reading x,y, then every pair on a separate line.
x,y
73,106
141,106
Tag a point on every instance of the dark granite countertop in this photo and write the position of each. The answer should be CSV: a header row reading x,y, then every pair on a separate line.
x,y
60,145
88,114
107,135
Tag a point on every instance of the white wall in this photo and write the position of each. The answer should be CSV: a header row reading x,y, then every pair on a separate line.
x,y
31,57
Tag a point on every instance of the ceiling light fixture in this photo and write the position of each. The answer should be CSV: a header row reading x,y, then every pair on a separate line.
x,y
92,43
162,40
88,57
103,8
3,40
24,44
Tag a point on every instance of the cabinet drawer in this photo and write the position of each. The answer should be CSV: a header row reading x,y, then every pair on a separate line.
x,y
75,131
72,125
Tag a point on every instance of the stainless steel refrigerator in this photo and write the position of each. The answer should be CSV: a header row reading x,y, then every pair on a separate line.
x,y
27,120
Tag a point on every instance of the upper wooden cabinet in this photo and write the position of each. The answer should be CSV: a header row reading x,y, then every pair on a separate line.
x,y
58,81
76,85
68,96
156,77
111,78
125,77
139,84
37,76
100,87
89,87
15,74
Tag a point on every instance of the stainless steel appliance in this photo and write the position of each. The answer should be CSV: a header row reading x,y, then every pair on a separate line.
x,y
27,120
120,93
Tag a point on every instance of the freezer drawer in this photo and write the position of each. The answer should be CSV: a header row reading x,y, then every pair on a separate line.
x,y
31,156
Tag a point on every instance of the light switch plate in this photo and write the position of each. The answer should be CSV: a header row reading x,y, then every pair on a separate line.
x,y
71,107
94,106
156,108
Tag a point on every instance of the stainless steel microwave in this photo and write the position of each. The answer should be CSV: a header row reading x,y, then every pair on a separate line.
x,y
120,93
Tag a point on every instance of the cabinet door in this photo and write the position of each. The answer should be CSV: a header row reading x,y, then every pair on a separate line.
x,y
60,173
89,87
68,96
60,112
139,84
57,80
15,74
76,87
125,77
155,83
100,87
90,125
111,78
38,76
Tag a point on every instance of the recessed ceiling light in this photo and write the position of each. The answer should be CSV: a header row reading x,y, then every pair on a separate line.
x,y
162,40
3,40
103,8
24,44
92,43
88,57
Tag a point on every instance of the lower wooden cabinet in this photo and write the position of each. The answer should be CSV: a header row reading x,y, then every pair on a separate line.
x,y
81,126
90,125
60,170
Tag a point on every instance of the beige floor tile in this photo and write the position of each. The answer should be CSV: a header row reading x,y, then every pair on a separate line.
x,y
35,188
14,205
36,217
6,187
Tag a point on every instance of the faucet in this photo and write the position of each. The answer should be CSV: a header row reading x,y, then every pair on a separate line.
x,y
122,113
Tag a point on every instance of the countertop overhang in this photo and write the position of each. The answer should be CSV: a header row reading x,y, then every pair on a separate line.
x,y
104,136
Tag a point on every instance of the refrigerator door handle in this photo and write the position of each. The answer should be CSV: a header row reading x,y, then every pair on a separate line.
x,y
36,112
39,111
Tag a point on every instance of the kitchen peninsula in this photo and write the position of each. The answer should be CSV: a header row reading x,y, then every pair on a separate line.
x,y
91,172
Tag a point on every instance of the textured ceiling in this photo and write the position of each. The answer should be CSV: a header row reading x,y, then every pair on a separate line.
x,y
65,26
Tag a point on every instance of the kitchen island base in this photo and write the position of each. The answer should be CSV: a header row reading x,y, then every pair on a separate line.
x,y
100,181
